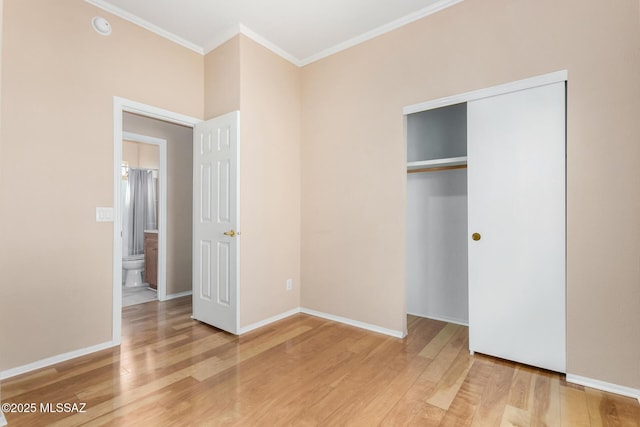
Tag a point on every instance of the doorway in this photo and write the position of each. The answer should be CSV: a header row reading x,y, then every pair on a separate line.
x,y
144,218
122,106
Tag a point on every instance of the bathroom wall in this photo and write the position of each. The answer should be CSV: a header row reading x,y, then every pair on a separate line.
x,y
140,155
179,192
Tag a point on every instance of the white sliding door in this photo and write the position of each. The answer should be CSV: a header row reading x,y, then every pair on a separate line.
x,y
516,187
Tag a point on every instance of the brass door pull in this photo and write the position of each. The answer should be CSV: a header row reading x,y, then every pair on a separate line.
x,y
476,236
230,233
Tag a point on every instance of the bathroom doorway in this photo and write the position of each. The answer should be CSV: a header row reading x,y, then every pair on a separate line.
x,y
143,213
174,244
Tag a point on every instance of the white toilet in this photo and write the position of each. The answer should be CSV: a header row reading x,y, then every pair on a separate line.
x,y
133,266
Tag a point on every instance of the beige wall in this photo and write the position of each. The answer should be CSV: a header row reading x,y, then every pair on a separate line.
x,y
179,193
58,79
222,79
1,217
348,177
140,155
270,102
353,192
243,75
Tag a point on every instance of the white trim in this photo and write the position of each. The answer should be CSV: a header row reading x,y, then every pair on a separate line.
x,y
242,29
246,31
178,295
542,80
268,321
9,373
442,319
331,317
356,323
162,224
155,112
114,10
120,105
239,218
269,45
3,421
219,41
429,10
604,386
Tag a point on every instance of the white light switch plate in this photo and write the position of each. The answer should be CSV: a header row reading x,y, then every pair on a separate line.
x,y
104,214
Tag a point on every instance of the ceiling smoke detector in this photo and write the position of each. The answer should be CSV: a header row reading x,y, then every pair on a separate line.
x,y
101,25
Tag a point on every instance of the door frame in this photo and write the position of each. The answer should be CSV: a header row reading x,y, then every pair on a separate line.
x,y
121,105
162,190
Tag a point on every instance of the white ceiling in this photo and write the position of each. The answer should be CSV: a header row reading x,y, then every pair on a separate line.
x,y
301,31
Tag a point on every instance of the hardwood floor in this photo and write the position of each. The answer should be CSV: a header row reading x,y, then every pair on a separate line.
x,y
302,371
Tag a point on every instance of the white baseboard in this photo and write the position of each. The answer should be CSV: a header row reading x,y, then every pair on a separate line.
x,y
3,421
344,320
356,323
604,386
265,322
443,319
178,295
55,359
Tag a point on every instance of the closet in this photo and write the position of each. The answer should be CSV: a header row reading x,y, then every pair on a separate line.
x,y
437,214
486,243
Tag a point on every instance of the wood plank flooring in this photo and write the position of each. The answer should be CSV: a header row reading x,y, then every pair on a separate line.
x,y
302,371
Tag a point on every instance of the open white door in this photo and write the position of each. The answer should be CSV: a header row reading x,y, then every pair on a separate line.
x,y
215,222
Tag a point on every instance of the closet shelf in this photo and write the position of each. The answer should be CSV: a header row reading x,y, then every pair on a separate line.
x,y
437,164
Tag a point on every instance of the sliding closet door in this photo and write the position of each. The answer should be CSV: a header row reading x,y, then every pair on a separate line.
x,y
516,184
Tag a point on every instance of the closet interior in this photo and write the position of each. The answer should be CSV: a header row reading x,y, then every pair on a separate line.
x,y
437,214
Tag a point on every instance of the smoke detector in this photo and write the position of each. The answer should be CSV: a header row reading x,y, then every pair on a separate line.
x,y
101,25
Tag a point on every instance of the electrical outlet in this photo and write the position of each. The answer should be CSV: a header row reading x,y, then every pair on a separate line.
x,y
289,284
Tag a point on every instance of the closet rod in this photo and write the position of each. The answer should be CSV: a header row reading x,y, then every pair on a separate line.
x,y
436,169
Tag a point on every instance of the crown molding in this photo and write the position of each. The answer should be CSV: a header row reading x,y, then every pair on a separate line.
x,y
145,24
429,10
242,29
271,46
219,41
246,31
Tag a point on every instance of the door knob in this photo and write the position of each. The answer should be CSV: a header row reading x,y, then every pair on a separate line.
x,y
476,236
230,233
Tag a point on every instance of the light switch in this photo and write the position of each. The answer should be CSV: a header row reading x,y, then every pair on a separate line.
x,y
104,214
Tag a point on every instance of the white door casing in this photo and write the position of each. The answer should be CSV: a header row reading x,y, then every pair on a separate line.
x,y
215,222
120,105
516,190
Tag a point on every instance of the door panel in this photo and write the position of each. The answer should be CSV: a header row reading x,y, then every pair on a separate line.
x,y
216,212
516,182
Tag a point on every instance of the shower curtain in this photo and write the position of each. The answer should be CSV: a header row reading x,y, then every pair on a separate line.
x,y
139,210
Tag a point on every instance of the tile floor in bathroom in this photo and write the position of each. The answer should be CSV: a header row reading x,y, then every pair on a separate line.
x,y
137,295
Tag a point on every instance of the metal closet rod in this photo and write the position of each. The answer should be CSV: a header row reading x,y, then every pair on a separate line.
x,y
436,169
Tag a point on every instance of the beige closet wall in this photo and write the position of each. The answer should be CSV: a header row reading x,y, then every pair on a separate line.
x,y
56,166
353,155
179,194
